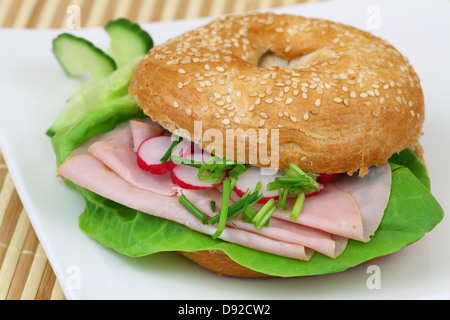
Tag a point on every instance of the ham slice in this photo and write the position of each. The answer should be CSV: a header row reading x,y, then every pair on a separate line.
x,y
123,161
350,207
278,229
90,173
371,193
141,130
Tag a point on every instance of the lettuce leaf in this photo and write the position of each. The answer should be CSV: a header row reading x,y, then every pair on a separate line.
x,y
411,213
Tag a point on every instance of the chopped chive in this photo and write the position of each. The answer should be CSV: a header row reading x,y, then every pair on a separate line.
x,y
263,214
248,213
265,220
167,155
193,209
238,170
213,206
186,161
236,208
223,214
297,207
282,198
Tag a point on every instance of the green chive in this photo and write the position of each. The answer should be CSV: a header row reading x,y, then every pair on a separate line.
x,y
249,213
297,207
167,155
261,218
186,161
282,198
238,170
213,206
224,209
193,209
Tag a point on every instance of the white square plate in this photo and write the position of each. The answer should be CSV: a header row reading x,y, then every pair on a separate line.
x,y
33,89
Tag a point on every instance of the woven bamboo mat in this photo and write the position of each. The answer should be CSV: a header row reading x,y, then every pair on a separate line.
x,y
25,272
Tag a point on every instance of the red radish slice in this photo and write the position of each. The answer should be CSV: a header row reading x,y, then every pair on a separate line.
x,y
315,192
327,177
186,176
151,151
250,178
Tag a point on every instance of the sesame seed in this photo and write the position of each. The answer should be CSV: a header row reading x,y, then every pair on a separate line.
x,y
363,95
293,119
220,69
263,115
207,67
337,100
289,100
317,103
189,112
226,121
182,71
353,94
306,116
175,104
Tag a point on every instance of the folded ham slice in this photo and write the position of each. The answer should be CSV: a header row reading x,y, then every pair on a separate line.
x,y
123,161
88,172
278,229
141,130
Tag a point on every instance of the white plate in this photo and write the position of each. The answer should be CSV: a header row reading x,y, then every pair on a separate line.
x,y
33,89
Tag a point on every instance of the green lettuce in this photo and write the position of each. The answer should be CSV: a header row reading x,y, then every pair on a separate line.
x,y
411,213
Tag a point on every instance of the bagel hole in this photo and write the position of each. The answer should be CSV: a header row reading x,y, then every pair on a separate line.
x,y
305,60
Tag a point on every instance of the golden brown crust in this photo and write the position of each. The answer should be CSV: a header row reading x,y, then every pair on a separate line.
x,y
355,102
217,261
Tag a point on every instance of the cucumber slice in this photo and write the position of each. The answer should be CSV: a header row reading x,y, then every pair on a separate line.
x,y
77,55
128,41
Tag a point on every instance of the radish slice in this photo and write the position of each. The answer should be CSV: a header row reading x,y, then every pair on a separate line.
x,y
315,192
250,178
327,177
186,176
151,151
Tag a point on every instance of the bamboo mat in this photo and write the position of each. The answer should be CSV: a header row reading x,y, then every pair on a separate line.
x,y
25,273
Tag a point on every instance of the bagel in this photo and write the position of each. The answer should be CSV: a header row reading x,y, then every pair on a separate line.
x,y
341,99
322,97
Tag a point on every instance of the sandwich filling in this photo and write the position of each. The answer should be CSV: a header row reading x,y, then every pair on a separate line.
x,y
349,207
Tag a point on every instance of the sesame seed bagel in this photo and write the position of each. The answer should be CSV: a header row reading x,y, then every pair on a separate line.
x,y
341,99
